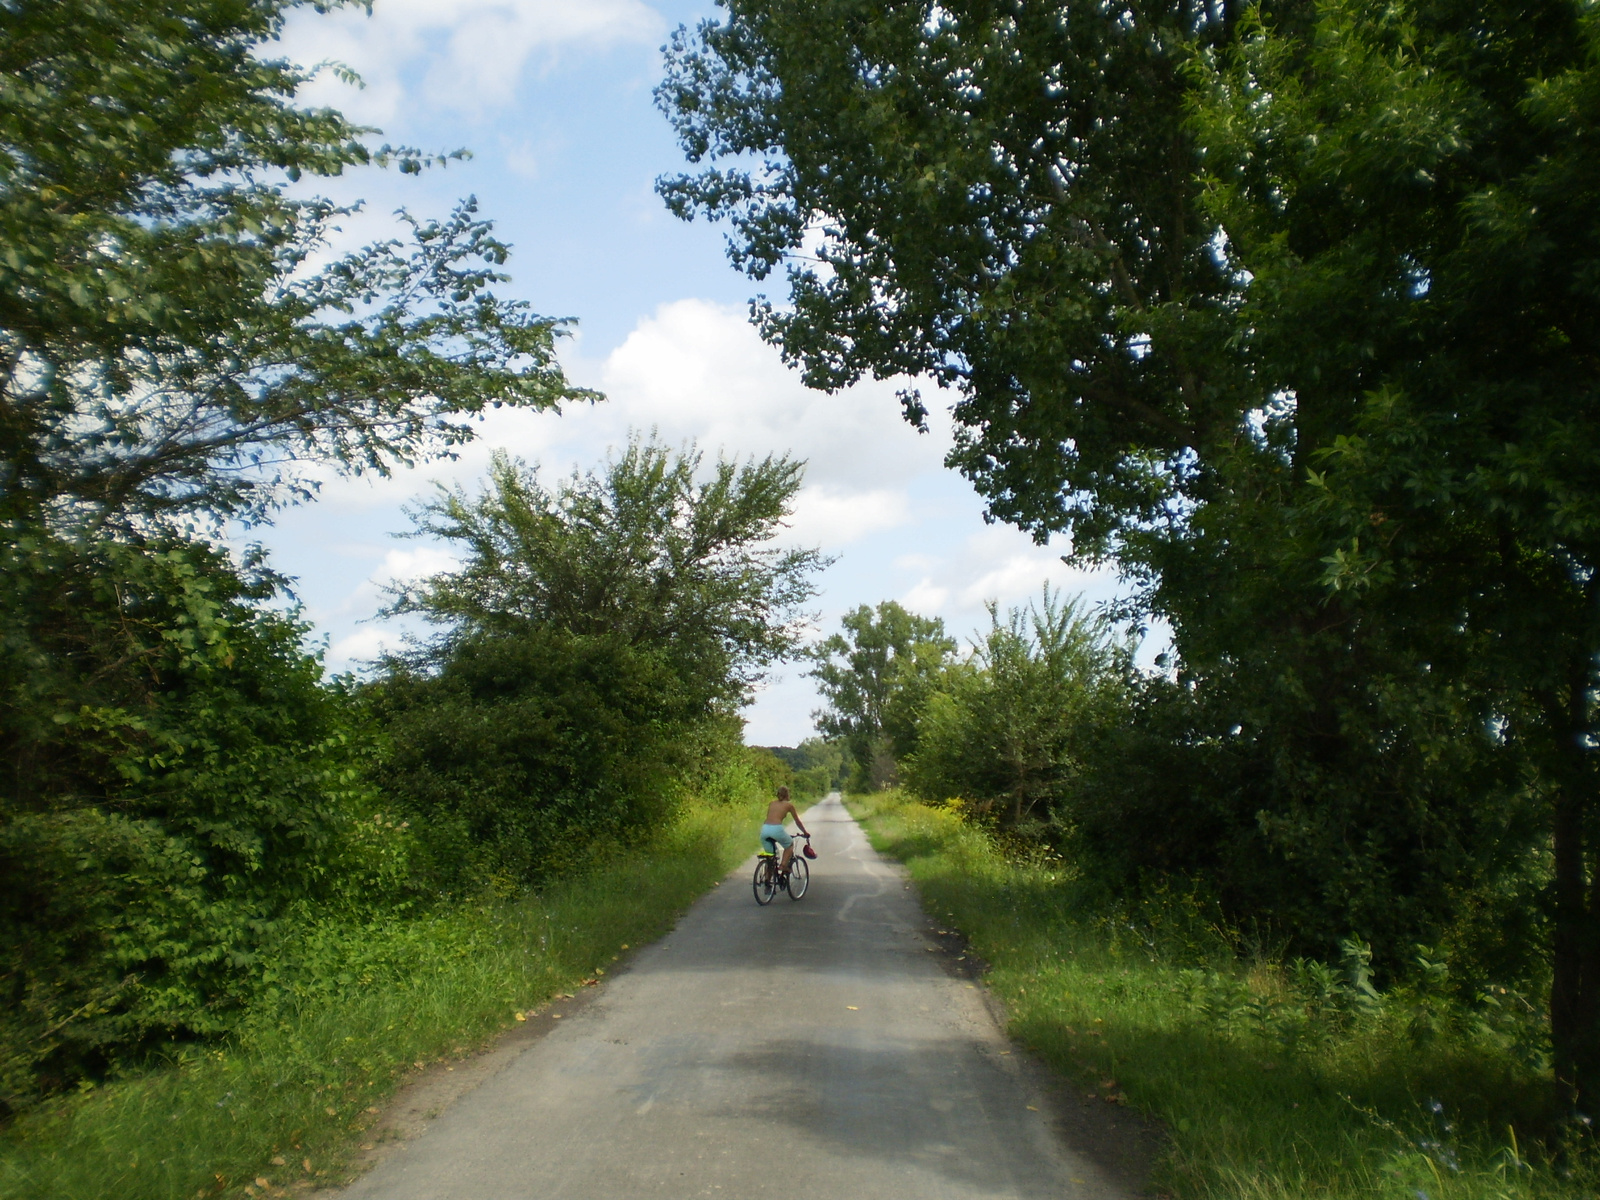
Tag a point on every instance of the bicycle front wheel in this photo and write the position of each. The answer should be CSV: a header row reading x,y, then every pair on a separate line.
x,y
765,882
799,878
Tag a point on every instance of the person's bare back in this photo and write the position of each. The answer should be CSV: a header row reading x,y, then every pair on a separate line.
x,y
779,809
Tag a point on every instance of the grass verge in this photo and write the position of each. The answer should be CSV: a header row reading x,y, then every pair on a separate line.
x,y
277,1107
1268,1093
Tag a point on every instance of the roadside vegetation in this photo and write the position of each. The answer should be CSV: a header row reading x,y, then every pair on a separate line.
x,y
1274,1078
351,1010
1165,958
240,900
1287,312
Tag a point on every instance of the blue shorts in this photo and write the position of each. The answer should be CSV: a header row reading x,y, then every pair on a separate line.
x,y
773,836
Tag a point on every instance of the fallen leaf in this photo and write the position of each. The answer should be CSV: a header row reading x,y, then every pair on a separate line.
x,y
852,1008
624,945
520,1016
331,1111
307,1165
556,1016
263,1182
599,970
1107,1084
417,1065
371,1109
1089,1096
1031,1108
277,1160
368,1146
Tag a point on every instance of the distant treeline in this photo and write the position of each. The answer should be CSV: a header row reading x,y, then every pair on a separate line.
x,y
815,767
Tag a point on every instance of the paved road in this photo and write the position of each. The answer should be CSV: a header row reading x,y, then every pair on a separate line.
x,y
815,1051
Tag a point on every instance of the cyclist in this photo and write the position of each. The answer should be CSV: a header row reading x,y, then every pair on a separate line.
x,y
773,834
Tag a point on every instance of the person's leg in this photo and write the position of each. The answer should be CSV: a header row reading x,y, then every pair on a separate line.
x,y
788,851
770,841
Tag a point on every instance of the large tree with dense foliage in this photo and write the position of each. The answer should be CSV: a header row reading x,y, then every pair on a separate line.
x,y
1290,309
180,345
169,341
596,634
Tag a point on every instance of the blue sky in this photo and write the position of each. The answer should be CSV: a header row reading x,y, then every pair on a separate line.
x,y
552,97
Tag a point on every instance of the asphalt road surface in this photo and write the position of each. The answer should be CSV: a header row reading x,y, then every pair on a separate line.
x,y
815,1050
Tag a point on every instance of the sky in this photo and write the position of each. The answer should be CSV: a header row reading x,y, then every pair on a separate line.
x,y
553,100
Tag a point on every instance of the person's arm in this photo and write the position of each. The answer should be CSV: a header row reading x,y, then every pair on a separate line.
x,y
797,822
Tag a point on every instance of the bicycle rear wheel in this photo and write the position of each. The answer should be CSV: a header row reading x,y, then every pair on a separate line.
x,y
765,882
799,878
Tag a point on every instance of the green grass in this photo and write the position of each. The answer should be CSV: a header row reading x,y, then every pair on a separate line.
x,y
298,1080
1266,1096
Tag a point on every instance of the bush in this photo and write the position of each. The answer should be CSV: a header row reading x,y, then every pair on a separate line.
x,y
178,779
1008,731
525,748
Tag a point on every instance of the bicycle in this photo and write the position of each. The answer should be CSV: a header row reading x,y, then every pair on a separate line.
x,y
769,879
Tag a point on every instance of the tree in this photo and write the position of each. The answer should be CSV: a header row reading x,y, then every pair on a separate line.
x,y
875,676
1433,198
1000,197
647,551
1009,733
169,345
179,347
593,634
1288,310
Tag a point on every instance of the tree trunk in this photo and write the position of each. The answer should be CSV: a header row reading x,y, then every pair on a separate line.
x,y
1575,980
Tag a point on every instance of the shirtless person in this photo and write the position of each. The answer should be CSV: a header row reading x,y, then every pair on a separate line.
x,y
773,834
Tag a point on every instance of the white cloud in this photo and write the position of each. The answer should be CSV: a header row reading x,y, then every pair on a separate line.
x,y
996,563
460,55
926,597
364,645
375,635
698,369
832,516
408,566
398,566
